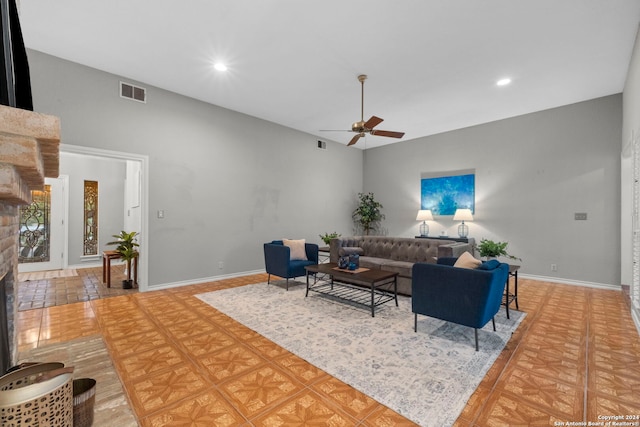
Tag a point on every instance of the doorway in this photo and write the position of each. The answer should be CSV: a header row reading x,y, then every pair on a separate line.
x,y
134,214
43,229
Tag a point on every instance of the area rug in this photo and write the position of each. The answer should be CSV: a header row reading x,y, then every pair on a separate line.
x,y
45,275
426,376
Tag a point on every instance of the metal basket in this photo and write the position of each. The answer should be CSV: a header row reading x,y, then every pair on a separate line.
x,y
37,395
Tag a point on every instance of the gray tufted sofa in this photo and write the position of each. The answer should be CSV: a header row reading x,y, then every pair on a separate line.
x,y
397,254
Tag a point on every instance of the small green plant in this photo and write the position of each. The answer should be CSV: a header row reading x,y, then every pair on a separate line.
x,y
126,247
326,237
490,249
368,213
126,244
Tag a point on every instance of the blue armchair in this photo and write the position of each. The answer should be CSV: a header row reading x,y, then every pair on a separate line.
x,y
277,260
469,297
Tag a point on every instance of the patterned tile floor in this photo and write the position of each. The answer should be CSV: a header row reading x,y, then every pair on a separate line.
x,y
575,357
86,286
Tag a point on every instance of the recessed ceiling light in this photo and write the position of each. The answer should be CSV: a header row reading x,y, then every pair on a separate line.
x,y
503,82
220,66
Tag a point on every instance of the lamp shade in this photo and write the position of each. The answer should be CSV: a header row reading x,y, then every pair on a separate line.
x,y
463,215
424,215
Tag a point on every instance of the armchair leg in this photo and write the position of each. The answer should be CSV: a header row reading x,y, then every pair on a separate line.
x,y
287,283
269,279
493,319
415,322
476,331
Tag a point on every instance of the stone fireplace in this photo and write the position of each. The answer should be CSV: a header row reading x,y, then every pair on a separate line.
x,y
29,152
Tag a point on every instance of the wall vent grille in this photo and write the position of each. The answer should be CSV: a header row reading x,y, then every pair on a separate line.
x,y
133,92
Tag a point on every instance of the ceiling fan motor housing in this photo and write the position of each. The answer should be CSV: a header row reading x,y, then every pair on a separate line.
x,y
358,126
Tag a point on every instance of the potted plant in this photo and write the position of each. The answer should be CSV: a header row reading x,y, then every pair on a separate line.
x,y
490,249
368,213
126,248
326,237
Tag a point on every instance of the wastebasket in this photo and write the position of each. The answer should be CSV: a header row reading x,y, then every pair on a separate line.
x,y
41,394
84,397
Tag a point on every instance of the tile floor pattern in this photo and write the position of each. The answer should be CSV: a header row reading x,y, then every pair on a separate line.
x,y
575,357
86,286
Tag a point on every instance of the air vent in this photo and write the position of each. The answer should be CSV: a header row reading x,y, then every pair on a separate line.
x,y
322,145
130,91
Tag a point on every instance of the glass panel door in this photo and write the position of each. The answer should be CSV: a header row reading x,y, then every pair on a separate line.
x,y
35,225
42,234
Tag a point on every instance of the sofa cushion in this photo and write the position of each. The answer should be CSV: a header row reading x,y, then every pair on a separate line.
x,y
403,268
466,260
296,248
372,262
413,250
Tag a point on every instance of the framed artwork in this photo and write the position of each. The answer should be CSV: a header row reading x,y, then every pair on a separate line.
x,y
444,192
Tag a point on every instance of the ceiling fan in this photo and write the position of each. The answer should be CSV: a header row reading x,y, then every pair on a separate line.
x,y
362,127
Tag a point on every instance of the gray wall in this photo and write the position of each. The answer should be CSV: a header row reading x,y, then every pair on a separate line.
x,y
226,181
533,172
630,132
110,175
630,135
229,182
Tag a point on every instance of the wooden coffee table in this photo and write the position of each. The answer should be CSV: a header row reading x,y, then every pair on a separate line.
x,y
369,287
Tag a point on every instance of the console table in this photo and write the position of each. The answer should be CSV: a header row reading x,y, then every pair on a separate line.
x,y
107,256
508,296
455,239
368,288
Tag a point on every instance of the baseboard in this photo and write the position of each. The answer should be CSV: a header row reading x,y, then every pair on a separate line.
x,y
92,264
571,282
201,280
174,284
636,319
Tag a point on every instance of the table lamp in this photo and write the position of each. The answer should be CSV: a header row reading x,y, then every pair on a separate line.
x,y
463,215
424,216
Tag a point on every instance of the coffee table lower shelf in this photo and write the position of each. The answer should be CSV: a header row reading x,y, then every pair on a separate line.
x,y
365,289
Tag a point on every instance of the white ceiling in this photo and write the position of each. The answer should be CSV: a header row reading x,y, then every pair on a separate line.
x,y
432,64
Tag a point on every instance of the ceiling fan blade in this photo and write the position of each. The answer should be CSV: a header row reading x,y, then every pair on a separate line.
x,y
354,139
387,133
373,122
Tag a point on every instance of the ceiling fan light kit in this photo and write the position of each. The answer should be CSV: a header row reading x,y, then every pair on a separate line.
x,y
361,128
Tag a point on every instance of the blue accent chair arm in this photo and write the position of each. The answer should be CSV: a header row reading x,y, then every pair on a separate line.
x,y
276,259
312,252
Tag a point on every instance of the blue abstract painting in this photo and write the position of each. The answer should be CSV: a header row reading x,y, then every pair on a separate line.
x,y
444,194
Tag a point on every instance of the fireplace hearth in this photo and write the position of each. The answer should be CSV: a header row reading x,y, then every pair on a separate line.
x,y
29,152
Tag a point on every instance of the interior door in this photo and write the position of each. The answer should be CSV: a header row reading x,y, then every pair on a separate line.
x,y
43,229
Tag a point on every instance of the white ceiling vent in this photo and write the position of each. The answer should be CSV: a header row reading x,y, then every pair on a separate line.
x,y
130,91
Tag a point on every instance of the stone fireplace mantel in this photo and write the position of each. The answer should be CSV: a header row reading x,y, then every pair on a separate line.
x,y
29,152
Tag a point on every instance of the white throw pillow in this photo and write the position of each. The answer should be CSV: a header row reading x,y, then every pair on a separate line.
x,y
296,248
466,260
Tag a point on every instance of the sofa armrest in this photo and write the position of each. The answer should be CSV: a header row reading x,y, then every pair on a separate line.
x,y
454,250
336,244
